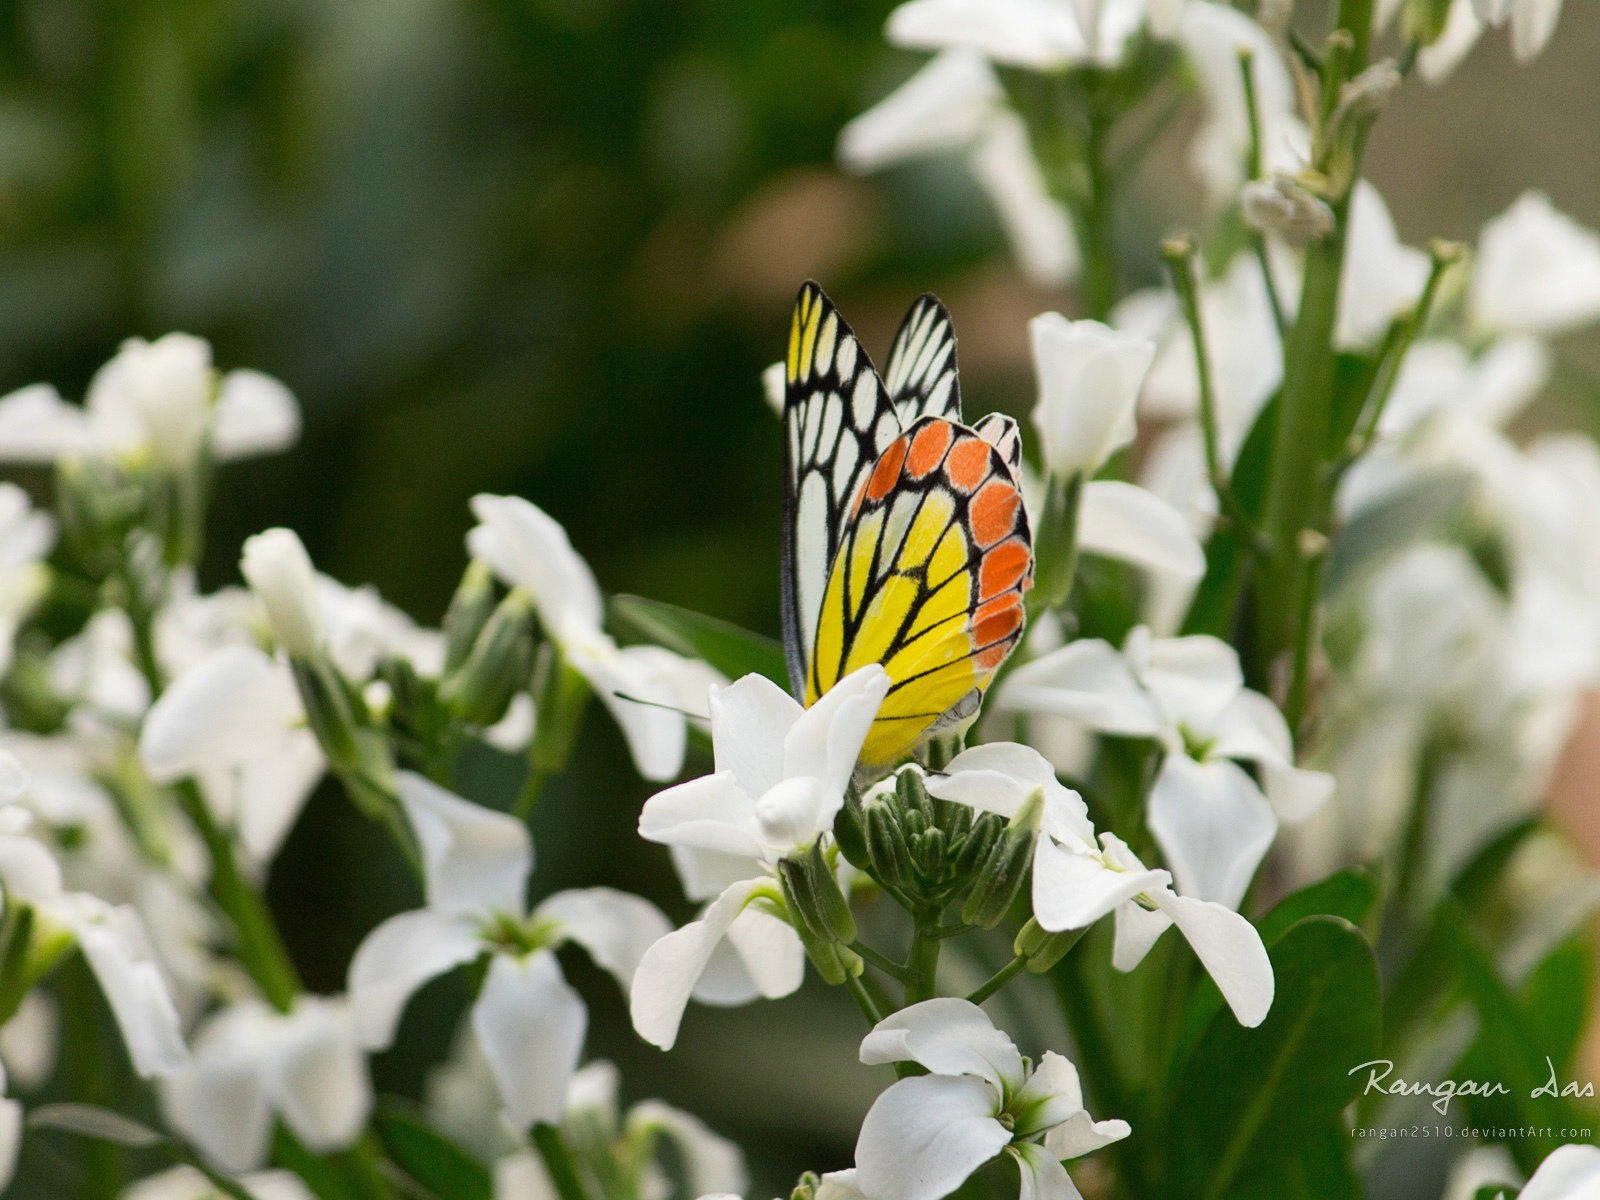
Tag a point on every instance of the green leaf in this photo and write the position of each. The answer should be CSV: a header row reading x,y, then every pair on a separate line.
x,y
1511,1048
1348,894
728,648
86,1120
1413,513
1248,1100
440,1166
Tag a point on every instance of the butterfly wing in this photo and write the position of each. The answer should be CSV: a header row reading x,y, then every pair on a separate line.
x,y
1001,432
928,580
837,421
921,375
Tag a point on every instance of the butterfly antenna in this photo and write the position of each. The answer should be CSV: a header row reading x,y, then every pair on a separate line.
x,y
682,712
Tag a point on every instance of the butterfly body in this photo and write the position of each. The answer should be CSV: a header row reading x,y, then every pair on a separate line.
x,y
905,539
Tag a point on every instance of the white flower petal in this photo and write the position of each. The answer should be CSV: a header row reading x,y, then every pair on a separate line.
x,y
10,1139
526,548
1137,930
749,720
1073,888
254,414
1087,681
710,813
219,1102
1231,951
118,951
1568,1173
275,565
1089,376
1081,1134
1035,223
474,859
318,1076
669,970
924,1136
948,1036
233,705
1125,522
941,108
761,957
825,741
632,685
615,927
38,426
1537,272
530,1026
1021,33
396,959
1042,1177
1213,824
713,1164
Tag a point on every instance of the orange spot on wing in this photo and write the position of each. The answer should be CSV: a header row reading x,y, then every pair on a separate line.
x,y
968,463
928,448
990,659
1003,623
993,513
887,471
1001,569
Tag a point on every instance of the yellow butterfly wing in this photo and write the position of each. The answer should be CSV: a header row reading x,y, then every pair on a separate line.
x,y
928,580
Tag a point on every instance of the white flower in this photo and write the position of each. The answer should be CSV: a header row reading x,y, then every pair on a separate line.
x,y
781,774
925,1135
529,1022
955,104
233,721
186,1183
1568,1173
1089,378
26,538
592,1118
1532,23
1212,821
160,399
253,1064
118,951
1077,882
278,569
1212,37
1044,35
1383,277
529,550
1538,271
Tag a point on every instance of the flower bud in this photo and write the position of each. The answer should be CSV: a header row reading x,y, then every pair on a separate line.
x,y
850,833
1369,91
1042,948
811,890
1089,376
330,711
886,846
1003,870
481,689
278,570
1283,207
468,613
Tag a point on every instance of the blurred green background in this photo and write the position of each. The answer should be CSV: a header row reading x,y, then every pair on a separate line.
x,y
545,247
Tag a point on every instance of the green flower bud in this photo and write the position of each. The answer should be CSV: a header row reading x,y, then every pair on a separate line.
x,y
812,893
468,613
496,669
1003,870
1042,948
850,833
886,845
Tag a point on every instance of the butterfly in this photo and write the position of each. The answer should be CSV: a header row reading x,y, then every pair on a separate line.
x,y
905,541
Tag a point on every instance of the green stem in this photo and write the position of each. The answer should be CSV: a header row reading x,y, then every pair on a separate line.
x,y
1408,867
997,981
923,966
1096,224
88,1066
882,961
261,947
1058,540
1179,255
553,1150
865,1001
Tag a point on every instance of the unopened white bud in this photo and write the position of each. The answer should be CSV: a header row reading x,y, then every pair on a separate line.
x,y
1369,91
1283,207
278,570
